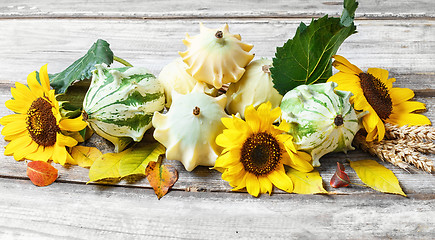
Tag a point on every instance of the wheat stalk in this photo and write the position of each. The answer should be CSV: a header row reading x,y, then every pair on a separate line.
x,y
399,152
385,152
423,133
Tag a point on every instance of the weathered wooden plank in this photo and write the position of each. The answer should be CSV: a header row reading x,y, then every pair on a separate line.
x,y
211,9
69,211
404,47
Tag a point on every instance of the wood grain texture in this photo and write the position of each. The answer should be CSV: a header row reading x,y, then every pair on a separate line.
x,y
70,211
395,35
212,9
402,47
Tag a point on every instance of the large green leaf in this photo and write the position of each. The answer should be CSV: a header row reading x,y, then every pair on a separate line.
x,y
306,59
82,68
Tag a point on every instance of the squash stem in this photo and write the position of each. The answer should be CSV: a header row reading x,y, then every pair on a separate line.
x,y
122,61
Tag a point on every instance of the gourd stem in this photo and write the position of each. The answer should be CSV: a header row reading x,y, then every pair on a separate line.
x,y
219,34
122,61
265,68
196,111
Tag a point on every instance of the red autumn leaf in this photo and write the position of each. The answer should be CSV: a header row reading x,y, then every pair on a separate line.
x,y
41,173
161,177
340,178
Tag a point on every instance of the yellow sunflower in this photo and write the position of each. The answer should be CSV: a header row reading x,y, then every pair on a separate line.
x,y
255,152
373,92
35,131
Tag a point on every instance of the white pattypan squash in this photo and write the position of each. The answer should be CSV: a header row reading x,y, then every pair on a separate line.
x,y
322,119
216,56
254,88
174,77
189,129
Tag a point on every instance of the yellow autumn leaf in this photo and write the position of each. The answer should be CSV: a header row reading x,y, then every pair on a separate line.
x,y
136,161
132,161
85,156
377,176
161,177
306,183
107,166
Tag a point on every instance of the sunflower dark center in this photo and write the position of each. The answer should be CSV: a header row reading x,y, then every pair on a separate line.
x,y
260,154
376,94
41,123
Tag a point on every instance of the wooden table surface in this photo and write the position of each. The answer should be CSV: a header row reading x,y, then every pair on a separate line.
x,y
398,35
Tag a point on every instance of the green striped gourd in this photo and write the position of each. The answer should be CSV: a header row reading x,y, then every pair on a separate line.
x,y
120,103
322,119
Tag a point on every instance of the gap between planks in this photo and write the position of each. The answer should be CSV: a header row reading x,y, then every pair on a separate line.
x,y
275,194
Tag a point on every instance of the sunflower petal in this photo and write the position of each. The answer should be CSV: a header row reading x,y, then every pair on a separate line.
x,y
70,159
283,126
234,169
227,159
287,141
389,83
370,121
400,95
14,128
406,107
342,78
264,110
379,73
23,93
252,119
75,124
34,85
281,180
231,139
372,135
252,185
411,119
16,145
343,65
265,185
267,116
286,159
241,125
59,154
43,77
63,140
12,118
381,130
24,151
228,122
301,161
18,106
235,179
241,184
15,136
42,154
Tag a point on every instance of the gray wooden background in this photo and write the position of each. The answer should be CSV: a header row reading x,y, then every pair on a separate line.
x,y
395,35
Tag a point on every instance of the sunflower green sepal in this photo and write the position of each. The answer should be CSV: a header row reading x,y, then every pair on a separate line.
x,y
35,131
255,152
